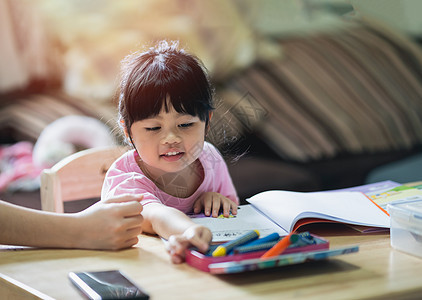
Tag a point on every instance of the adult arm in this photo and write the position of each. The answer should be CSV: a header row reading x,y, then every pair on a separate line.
x,y
111,225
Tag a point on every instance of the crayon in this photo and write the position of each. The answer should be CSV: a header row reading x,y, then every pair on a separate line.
x,y
225,248
281,246
260,244
305,239
254,248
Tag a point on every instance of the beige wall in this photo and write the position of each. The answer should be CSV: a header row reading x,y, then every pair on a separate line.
x,y
402,14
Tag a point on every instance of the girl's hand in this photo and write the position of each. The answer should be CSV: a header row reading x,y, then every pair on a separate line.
x,y
211,202
196,235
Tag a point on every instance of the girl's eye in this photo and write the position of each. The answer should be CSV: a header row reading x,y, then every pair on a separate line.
x,y
186,125
152,128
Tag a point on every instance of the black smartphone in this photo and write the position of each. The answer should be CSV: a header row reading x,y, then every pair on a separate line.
x,y
106,285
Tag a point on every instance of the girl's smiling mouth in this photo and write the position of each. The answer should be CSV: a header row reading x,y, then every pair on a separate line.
x,y
172,156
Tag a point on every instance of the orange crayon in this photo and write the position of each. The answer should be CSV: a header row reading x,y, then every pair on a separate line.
x,y
282,245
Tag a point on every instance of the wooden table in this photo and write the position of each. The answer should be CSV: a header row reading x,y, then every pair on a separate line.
x,y
376,271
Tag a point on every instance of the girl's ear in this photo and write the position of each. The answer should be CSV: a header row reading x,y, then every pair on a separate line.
x,y
207,128
122,123
126,132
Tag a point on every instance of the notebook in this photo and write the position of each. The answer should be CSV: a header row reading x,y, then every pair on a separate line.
x,y
285,211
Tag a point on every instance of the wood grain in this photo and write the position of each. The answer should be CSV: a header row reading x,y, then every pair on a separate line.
x,y
376,271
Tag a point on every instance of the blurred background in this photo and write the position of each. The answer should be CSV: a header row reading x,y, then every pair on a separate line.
x,y
62,57
79,44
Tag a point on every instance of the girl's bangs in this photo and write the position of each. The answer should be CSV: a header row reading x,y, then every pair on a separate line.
x,y
149,103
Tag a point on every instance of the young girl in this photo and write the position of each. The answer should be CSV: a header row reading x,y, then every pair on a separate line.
x,y
165,106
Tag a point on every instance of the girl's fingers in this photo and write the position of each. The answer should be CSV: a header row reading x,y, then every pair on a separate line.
x,y
177,244
207,207
200,238
197,206
215,205
226,209
234,207
176,259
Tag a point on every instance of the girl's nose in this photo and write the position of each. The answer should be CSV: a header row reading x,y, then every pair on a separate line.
x,y
171,137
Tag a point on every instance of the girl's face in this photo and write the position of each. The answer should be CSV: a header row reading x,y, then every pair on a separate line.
x,y
168,142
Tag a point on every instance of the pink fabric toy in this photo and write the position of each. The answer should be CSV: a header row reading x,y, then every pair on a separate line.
x,y
17,167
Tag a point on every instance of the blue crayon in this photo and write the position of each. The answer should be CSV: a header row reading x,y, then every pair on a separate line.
x,y
267,242
269,238
254,248
225,248
260,244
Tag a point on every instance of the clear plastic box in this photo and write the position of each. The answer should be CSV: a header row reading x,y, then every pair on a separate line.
x,y
406,226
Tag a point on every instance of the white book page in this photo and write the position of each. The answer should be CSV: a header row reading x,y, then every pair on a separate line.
x,y
285,208
247,219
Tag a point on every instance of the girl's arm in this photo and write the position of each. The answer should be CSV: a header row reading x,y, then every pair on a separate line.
x,y
112,224
173,225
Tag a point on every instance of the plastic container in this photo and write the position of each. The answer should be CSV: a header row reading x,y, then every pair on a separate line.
x,y
406,226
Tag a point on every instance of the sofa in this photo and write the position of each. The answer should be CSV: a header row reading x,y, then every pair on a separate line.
x,y
321,113
335,107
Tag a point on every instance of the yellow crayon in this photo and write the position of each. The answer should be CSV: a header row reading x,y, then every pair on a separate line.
x,y
225,248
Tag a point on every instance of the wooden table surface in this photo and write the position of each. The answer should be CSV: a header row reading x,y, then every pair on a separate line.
x,y
376,271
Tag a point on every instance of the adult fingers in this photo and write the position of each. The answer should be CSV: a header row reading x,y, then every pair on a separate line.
x,y
128,238
124,198
130,209
121,243
130,242
134,222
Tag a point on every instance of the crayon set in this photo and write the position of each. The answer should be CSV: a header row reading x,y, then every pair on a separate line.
x,y
250,242
252,246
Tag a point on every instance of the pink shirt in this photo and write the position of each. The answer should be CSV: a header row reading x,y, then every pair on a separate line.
x,y
125,177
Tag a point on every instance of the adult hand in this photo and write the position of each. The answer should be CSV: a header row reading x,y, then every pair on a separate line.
x,y
111,224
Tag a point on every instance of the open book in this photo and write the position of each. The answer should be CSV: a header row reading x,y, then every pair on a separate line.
x,y
284,211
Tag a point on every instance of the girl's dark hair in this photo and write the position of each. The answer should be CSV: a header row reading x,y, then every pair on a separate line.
x,y
162,73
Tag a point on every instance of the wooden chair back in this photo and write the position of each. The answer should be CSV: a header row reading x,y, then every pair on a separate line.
x,y
76,177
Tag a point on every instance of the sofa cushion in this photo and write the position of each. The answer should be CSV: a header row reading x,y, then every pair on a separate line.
x,y
24,117
354,90
252,175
